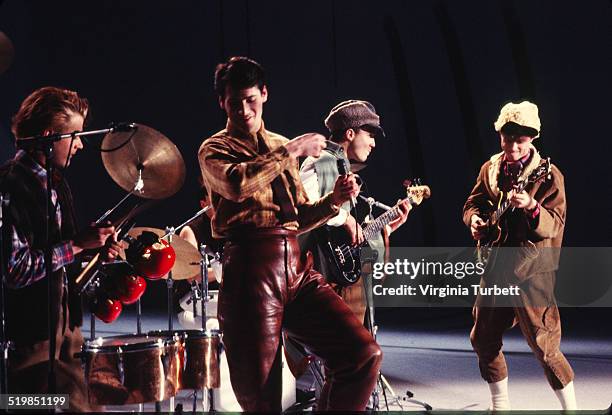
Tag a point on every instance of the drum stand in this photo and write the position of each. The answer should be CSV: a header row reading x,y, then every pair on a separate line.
x,y
207,394
170,232
200,295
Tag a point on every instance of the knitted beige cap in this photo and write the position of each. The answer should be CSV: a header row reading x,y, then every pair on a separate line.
x,y
524,114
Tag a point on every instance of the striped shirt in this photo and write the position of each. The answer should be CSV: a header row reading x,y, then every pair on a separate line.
x,y
238,177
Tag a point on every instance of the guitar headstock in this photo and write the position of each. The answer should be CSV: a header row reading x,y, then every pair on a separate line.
x,y
416,192
541,172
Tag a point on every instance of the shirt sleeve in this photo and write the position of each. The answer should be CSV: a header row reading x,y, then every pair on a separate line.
x,y
27,266
550,219
478,200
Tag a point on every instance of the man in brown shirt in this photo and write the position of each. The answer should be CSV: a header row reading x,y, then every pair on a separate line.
x,y
260,206
534,225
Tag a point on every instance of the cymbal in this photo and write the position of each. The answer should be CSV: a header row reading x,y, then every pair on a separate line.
x,y
187,263
161,163
7,52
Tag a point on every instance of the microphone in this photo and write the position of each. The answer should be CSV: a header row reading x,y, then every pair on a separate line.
x,y
343,170
123,126
342,167
370,201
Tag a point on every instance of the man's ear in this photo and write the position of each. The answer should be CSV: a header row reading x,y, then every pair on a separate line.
x,y
221,104
349,135
264,93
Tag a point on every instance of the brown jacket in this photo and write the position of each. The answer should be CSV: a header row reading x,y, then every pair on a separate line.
x,y
545,232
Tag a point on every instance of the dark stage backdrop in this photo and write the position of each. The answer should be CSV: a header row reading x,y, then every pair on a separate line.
x,y
437,72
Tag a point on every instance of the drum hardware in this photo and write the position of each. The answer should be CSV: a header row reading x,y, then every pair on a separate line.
x,y
183,250
143,255
186,251
199,298
91,270
132,369
170,283
204,264
138,186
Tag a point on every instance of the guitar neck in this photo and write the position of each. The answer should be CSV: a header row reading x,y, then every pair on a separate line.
x,y
380,222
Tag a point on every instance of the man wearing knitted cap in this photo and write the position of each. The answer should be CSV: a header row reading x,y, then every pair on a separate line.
x,y
534,224
354,127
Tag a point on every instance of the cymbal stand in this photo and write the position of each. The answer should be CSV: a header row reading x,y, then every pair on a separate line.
x,y
90,293
138,187
204,264
173,230
170,231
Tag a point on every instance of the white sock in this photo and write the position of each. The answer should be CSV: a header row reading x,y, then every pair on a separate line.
x,y
567,397
499,395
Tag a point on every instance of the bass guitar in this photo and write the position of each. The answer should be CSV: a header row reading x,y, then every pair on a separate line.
x,y
343,258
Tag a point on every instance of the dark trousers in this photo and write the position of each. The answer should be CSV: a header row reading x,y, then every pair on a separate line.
x,y
29,365
267,288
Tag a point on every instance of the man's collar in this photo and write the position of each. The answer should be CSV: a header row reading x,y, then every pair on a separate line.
x,y
237,132
523,160
335,148
30,162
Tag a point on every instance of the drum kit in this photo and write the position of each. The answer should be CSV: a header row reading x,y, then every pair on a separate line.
x,y
152,366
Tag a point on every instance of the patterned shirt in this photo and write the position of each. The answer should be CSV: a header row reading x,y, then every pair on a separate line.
x,y
238,177
26,265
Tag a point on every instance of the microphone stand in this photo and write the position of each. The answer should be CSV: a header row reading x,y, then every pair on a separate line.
x,y
382,384
52,317
370,201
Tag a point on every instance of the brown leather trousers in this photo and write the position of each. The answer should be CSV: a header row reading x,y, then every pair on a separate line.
x,y
267,288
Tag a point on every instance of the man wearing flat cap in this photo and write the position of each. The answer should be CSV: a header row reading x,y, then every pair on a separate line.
x,y
354,127
533,225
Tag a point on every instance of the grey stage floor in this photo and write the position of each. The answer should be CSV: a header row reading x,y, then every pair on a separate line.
x,y
435,361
